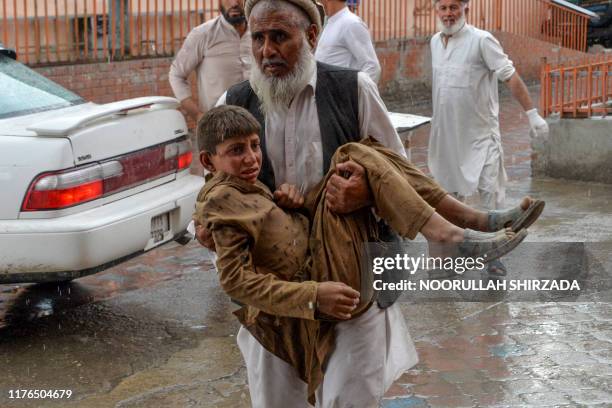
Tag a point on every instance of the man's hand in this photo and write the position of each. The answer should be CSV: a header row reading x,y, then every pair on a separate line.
x,y
193,110
204,236
539,127
336,299
288,196
347,194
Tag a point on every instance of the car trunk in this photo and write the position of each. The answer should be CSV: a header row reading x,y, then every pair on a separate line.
x,y
132,136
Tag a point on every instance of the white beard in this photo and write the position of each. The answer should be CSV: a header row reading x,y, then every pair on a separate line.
x,y
277,93
454,29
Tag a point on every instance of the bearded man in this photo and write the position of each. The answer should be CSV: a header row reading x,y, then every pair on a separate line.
x,y
307,110
465,150
219,51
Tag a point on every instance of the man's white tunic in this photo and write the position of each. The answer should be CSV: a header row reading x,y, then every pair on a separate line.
x,y
346,42
465,135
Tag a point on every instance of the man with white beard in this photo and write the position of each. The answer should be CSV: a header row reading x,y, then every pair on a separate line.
x,y
465,150
307,110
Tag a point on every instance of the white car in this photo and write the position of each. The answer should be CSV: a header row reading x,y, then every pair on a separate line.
x,y
85,186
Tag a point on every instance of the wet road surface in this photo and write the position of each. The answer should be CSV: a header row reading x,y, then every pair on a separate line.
x,y
158,324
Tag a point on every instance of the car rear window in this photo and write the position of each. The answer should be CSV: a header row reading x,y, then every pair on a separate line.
x,y
25,91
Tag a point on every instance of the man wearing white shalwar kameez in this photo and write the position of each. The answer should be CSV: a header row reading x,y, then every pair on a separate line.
x,y
346,41
465,150
374,349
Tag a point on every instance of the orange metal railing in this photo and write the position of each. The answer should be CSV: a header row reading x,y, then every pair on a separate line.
x,y
580,88
64,31
539,19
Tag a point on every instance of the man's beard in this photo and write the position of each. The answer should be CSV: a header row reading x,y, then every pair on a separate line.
x,y
233,20
454,29
277,93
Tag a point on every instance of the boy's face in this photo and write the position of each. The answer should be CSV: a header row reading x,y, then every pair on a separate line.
x,y
238,156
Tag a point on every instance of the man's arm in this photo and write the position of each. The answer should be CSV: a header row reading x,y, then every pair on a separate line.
x,y
496,60
374,118
539,127
519,91
345,195
359,44
187,60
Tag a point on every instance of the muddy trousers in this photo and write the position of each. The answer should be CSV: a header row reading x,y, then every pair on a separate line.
x,y
402,195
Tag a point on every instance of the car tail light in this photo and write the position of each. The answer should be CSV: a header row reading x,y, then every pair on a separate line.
x,y
57,190
183,151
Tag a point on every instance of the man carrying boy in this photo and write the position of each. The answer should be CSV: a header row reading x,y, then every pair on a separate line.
x,y
300,134
263,250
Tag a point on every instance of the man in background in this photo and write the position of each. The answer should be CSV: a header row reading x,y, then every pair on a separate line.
x,y
465,150
219,51
346,41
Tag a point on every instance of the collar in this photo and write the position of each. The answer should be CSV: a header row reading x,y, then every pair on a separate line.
x,y
313,80
222,178
341,13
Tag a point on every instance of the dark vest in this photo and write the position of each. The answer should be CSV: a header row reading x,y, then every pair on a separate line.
x,y
337,103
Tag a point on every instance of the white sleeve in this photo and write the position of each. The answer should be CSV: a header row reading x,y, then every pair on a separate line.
x,y
188,58
495,58
359,43
373,116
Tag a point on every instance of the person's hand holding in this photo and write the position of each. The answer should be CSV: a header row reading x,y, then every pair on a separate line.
x,y
336,299
288,196
347,190
204,236
539,127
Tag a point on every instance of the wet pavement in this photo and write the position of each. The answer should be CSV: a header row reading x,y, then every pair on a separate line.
x,y
158,331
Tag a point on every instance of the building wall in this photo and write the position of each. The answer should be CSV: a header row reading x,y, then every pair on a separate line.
x,y
406,71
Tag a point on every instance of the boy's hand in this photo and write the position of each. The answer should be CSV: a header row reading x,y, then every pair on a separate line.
x,y
347,190
288,196
336,299
204,236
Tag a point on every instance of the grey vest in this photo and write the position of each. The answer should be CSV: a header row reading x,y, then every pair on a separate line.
x,y
337,107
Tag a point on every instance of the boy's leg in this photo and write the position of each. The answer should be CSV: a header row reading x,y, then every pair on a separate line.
x,y
424,186
404,197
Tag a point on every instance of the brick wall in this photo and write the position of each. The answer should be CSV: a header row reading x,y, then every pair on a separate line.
x,y
406,71
527,54
107,82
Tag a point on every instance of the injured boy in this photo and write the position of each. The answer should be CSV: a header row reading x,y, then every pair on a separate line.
x,y
291,266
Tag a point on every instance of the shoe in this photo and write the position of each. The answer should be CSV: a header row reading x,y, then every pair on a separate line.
x,y
490,245
516,218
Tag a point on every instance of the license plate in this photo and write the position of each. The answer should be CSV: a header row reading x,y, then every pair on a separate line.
x,y
160,224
